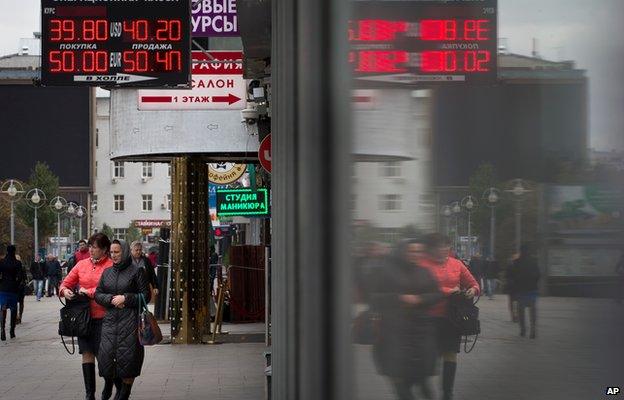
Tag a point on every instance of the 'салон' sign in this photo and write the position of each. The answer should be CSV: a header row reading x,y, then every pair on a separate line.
x,y
242,202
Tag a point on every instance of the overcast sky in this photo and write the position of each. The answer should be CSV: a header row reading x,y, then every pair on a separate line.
x,y
589,32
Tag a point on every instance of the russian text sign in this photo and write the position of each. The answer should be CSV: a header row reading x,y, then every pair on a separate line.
x,y
242,202
217,84
214,18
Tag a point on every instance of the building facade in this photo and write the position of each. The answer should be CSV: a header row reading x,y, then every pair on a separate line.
x,y
127,193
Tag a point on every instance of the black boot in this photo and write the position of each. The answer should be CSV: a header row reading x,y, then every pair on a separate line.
x,y
108,389
2,326
425,389
118,383
448,379
13,323
88,373
124,393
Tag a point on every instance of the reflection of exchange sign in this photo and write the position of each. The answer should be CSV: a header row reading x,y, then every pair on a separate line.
x,y
225,173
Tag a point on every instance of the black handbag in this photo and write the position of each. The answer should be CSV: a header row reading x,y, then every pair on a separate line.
x,y
464,315
75,320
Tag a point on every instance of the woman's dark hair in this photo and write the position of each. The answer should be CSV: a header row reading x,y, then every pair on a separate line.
x,y
100,240
115,241
82,241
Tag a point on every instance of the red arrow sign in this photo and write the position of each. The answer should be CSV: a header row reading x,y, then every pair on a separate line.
x,y
230,99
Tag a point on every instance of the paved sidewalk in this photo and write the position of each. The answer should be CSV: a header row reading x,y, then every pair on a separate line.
x,y
577,354
35,366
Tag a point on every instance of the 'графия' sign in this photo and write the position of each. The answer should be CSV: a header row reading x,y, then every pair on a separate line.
x,y
214,18
242,202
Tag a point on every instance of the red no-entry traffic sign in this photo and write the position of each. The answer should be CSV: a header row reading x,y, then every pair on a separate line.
x,y
264,153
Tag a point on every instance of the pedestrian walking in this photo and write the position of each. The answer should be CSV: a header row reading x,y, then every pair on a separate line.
x,y
511,289
477,267
82,281
11,276
54,273
82,253
38,276
120,356
405,350
452,277
21,292
142,261
491,277
525,275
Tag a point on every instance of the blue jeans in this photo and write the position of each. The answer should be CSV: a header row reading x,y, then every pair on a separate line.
x,y
38,288
490,287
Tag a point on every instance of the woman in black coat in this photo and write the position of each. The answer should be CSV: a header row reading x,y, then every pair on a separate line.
x,y
406,349
120,356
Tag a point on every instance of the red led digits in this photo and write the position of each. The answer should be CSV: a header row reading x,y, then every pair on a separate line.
x,y
94,30
375,30
62,30
454,61
380,61
95,61
62,61
450,29
135,61
168,30
137,30
169,60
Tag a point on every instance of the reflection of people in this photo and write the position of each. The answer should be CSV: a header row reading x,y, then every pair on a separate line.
x,y
403,295
11,277
83,280
619,270
491,277
120,355
452,277
524,275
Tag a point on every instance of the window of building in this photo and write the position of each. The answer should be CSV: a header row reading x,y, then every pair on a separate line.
x,y
148,170
391,169
390,202
97,138
120,233
119,202
169,202
169,170
96,165
94,202
147,202
118,169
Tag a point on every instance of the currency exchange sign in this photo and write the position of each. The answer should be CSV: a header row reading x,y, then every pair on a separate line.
x,y
122,44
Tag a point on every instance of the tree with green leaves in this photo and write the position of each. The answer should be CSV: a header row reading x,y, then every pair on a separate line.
x,y
108,231
132,233
41,177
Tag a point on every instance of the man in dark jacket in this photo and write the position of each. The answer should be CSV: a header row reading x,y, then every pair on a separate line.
x,y
140,260
38,276
54,275
491,277
619,270
525,275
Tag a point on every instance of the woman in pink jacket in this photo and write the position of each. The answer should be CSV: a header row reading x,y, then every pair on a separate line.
x,y
82,281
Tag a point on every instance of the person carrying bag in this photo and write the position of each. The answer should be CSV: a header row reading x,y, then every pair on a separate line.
x,y
149,331
75,320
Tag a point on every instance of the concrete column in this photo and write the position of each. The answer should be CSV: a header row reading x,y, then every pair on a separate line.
x,y
189,297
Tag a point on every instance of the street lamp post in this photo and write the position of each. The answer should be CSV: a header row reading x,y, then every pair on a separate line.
x,y
456,209
58,205
71,211
491,197
81,212
36,199
469,203
518,191
14,190
447,212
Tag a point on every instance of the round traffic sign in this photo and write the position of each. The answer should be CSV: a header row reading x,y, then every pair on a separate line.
x,y
264,153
